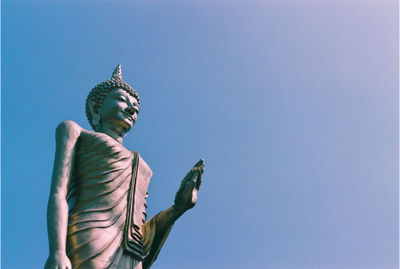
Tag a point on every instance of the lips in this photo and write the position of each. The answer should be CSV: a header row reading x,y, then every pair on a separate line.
x,y
128,116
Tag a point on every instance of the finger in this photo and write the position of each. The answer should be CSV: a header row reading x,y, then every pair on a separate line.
x,y
198,182
193,182
195,174
200,162
197,169
200,166
202,169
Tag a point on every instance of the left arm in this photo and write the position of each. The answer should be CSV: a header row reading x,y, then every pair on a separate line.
x,y
156,230
185,198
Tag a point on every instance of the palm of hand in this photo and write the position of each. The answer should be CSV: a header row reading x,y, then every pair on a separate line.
x,y
186,196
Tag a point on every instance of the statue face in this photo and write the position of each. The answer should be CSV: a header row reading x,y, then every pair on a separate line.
x,y
119,109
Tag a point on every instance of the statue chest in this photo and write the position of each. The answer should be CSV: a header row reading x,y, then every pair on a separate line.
x,y
108,176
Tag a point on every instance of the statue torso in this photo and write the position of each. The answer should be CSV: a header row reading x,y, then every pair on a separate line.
x,y
99,199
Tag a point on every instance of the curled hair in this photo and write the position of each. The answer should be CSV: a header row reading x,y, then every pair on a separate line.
x,y
100,92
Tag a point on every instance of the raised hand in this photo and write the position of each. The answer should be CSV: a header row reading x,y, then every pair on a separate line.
x,y
186,196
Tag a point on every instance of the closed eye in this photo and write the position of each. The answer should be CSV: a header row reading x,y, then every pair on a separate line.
x,y
122,99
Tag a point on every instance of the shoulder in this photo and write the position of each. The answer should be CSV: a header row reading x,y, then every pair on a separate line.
x,y
68,129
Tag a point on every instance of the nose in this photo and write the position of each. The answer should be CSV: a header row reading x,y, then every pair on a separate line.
x,y
131,110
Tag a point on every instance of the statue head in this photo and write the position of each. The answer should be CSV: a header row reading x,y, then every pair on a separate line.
x,y
98,94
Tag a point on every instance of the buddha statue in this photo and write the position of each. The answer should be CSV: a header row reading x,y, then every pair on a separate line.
x,y
96,215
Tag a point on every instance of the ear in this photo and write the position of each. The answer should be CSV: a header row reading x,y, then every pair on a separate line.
x,y
94,109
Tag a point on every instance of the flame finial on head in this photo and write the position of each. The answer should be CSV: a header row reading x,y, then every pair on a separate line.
x,y
117,74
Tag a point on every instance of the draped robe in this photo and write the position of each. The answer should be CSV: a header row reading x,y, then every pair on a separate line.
x,y
107,207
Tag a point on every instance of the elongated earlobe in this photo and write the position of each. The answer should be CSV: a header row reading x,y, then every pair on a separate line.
x,y
94,109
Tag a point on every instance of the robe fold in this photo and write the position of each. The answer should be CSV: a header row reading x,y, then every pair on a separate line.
x,y
107,194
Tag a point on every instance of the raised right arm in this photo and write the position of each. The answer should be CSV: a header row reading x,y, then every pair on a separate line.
x,y
67,134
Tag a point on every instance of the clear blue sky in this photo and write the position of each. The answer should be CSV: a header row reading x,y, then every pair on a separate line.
x,y
293,105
